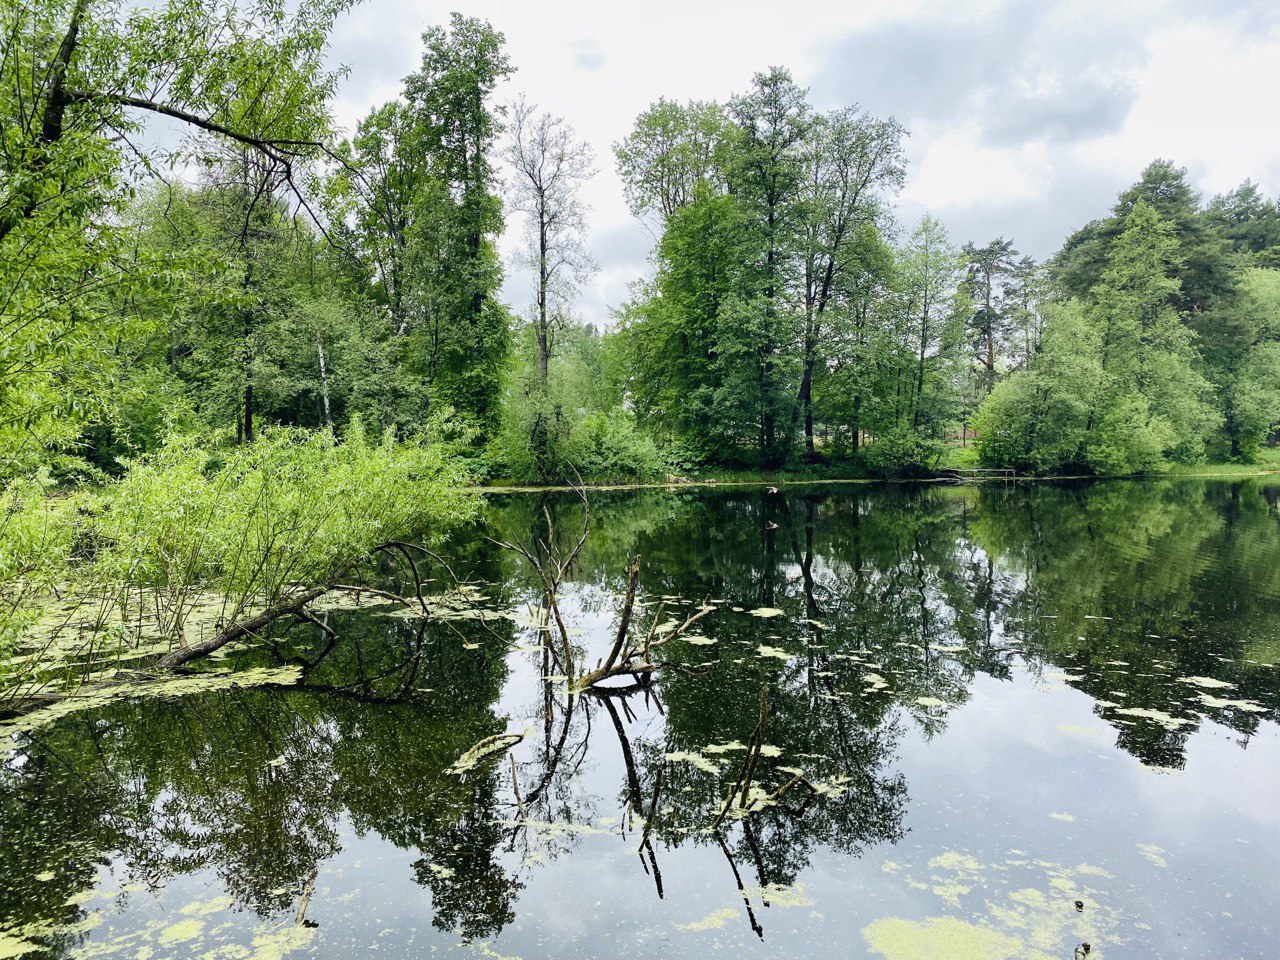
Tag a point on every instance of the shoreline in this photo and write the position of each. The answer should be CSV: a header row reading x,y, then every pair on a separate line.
x,y
499,488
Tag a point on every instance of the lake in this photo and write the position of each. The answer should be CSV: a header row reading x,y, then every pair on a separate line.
x,y
998,721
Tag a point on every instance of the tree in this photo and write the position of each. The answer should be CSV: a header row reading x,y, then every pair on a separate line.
x,y
1126,359
1243,361
450,96
671,331
929,269
673,153
1246,219
1204,269
417,199
852,164
765,172
551,165
991,272
848,382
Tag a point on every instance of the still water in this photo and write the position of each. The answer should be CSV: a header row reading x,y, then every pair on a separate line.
x,y
998,722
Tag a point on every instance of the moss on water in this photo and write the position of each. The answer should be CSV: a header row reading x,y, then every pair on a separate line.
x,y
177,686
938,937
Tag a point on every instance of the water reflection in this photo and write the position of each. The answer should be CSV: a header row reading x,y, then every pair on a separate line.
x,y
850,626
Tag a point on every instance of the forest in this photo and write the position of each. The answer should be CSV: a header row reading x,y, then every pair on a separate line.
x,y
269,273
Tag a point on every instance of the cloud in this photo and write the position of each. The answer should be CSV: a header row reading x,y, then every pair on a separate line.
x,y
1065,200
1026,117
1019,71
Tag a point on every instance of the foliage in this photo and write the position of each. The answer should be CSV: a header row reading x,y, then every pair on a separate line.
x,y
296,508
1242,357
771,219
574,428
416,209
1115,388
903,452
75,76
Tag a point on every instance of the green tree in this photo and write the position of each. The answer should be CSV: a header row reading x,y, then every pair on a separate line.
x,y
673,154
1243,361
853,163
416,200
993,273
1247,220
765,175
76,76
1203,270
1128,358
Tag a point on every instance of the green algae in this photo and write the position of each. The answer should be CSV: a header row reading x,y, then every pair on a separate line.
x,y
485,749
181,932
12,946
715,920
697,760
937,938
94,697
1153,853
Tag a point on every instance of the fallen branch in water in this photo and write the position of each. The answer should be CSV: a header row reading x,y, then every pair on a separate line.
x,y
552,573
628,658
287,608
294,606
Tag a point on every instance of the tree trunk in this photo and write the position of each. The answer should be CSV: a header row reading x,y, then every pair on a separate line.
x,y
806,403
324,381
183,655
544,338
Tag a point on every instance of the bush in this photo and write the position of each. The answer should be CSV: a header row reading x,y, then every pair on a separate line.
x,y
901,452
611,447
296,509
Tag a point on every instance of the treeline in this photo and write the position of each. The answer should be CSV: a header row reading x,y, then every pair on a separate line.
x,y
1160,341
789,317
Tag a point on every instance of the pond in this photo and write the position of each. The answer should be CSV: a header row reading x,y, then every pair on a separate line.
x,y
998,721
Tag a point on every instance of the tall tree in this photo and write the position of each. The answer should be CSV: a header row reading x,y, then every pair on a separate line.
x,y
991,272
1243,361
451,98
853,163
417,196
1203,270
929,269
765,174
673,153
1247,220
551,166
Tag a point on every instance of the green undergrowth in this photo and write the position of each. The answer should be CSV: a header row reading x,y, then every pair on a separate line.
x,y
194,539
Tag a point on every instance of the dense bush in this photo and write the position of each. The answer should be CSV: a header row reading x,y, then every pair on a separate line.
x,y
901,452
248,525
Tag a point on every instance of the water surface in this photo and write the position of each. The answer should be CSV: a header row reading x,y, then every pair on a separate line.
x,y
1026,718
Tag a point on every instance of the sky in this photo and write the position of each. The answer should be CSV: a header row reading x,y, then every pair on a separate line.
x,y
1026,117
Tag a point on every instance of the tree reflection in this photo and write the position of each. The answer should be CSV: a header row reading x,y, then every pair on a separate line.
x,y
881,606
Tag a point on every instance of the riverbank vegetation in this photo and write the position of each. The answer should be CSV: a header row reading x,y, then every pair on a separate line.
x,y
242,350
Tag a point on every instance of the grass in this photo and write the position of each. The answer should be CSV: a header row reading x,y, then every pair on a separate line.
x,y
1268,462
955,458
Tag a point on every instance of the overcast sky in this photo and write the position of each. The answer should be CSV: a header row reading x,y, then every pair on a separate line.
x,y
1026,117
